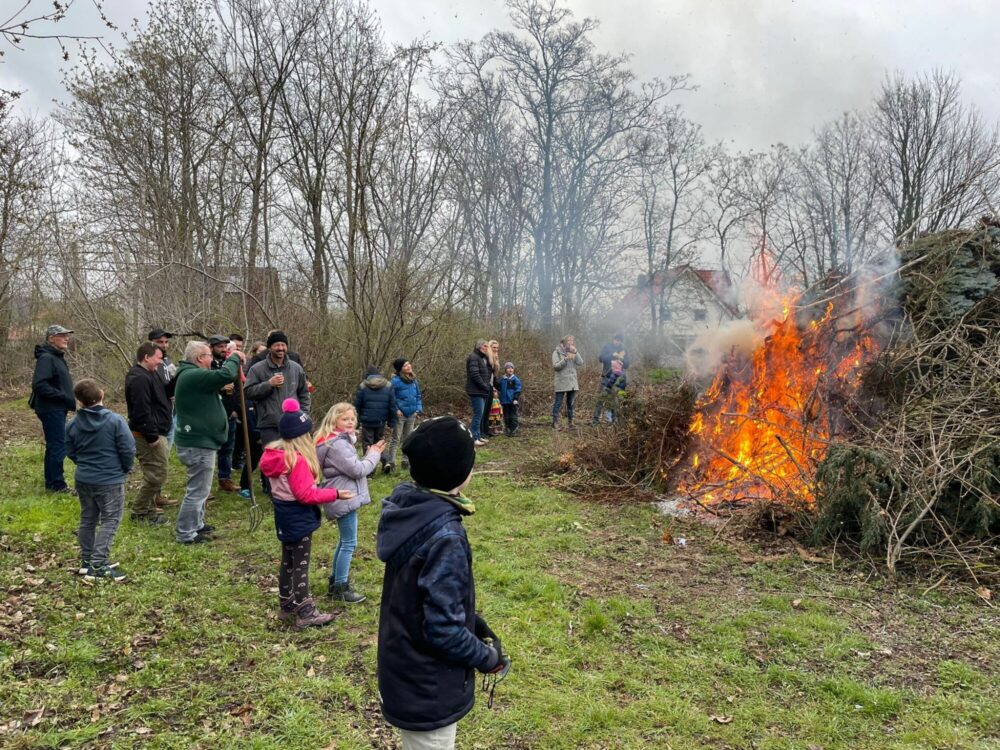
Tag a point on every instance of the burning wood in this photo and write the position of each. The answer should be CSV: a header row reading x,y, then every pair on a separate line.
x,y
765,423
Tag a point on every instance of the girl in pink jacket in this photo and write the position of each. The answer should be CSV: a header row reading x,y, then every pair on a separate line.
x,y
293,469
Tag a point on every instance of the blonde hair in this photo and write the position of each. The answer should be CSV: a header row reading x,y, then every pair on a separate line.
x,y
492,358
329,423
302,446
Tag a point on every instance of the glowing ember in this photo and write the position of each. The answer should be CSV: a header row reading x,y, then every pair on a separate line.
x,y
766,421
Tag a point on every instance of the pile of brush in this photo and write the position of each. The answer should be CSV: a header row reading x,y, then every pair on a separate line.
x,y
919,474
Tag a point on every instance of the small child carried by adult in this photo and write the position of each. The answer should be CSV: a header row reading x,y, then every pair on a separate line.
x,y
510,396
613,387
101,445
376,407
430,638
336,441
293,468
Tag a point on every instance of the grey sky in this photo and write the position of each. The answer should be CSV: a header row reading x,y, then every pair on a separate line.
x,y
767,70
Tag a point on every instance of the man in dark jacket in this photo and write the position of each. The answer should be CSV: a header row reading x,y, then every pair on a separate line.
x,y
430,639
271,381
52,398
375,403
478,386
150,417
219,345
609,353
168,371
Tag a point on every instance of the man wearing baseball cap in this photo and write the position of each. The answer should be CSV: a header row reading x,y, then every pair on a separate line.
x,y
51,398
167,371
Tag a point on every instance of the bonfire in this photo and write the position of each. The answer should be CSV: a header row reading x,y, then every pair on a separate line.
x,y
765,423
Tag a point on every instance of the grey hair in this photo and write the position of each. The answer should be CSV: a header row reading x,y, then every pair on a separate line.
x,y
195,349
567,336
481,342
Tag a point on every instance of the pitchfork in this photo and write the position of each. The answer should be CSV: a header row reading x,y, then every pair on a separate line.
x,y
256,512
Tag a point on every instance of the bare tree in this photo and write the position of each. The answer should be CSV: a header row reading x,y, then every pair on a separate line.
x,y
933,159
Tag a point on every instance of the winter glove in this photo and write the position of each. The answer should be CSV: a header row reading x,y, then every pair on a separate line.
x,y
487,636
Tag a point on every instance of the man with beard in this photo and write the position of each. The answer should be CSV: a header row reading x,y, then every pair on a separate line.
x,y
51,398
270,381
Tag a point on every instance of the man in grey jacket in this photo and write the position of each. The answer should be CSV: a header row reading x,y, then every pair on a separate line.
x,y
271,381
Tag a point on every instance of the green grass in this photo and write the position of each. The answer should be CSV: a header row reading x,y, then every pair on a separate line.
x,y
618,640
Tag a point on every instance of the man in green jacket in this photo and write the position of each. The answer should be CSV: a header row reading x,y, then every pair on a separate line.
x,y
202,428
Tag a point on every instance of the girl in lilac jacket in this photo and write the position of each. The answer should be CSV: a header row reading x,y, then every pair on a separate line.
x,y
336,449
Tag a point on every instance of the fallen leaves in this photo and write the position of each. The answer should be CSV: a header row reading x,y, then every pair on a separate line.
x,y
722,719
984,593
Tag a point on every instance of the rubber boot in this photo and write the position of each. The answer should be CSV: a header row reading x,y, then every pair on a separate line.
x,y
306,615
342,592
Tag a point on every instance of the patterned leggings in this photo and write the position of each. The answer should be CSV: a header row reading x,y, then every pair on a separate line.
x,y
293,577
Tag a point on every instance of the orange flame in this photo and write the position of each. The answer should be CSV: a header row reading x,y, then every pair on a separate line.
x,y
766,422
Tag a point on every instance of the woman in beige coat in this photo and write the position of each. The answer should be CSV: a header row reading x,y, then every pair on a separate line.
x,y
565,361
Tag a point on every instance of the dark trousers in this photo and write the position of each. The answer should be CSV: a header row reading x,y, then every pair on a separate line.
x,y
226,452
54,429
371,434
510,418
557,405
238,449
293,575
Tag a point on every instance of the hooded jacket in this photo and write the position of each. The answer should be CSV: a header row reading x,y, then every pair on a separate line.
x,y
51,385
407,394
267,399
150,412
343,470
510,389
427,648
99,442
294,495
202,421
478,375
375,402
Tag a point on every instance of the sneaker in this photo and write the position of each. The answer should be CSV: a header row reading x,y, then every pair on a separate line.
x,y
388,468
245,494
210,498
150,519
199,538
162,501
228,485
206,529
479,443
342,592
85,566
105,572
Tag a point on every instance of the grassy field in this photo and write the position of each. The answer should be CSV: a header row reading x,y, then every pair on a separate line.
x,y
619,639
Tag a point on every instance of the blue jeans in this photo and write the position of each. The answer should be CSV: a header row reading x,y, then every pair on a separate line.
x,y
200,463
54,429
478,409
101,509
226,452
341,567
557,404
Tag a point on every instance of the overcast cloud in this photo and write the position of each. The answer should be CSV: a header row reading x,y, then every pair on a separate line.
x,y
767,70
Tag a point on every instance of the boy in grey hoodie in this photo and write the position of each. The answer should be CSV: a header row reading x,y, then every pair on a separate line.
x,y
101,445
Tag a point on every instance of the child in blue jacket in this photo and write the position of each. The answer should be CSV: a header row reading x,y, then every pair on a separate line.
x,y
409,405
101,445
510,394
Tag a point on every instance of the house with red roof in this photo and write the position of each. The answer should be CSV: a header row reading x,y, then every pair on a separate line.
x,y
688,302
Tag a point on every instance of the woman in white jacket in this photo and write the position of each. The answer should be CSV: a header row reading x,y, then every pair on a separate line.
x,y
336,449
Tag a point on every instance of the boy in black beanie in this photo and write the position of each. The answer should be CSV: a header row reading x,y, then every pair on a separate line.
x,y
429,636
